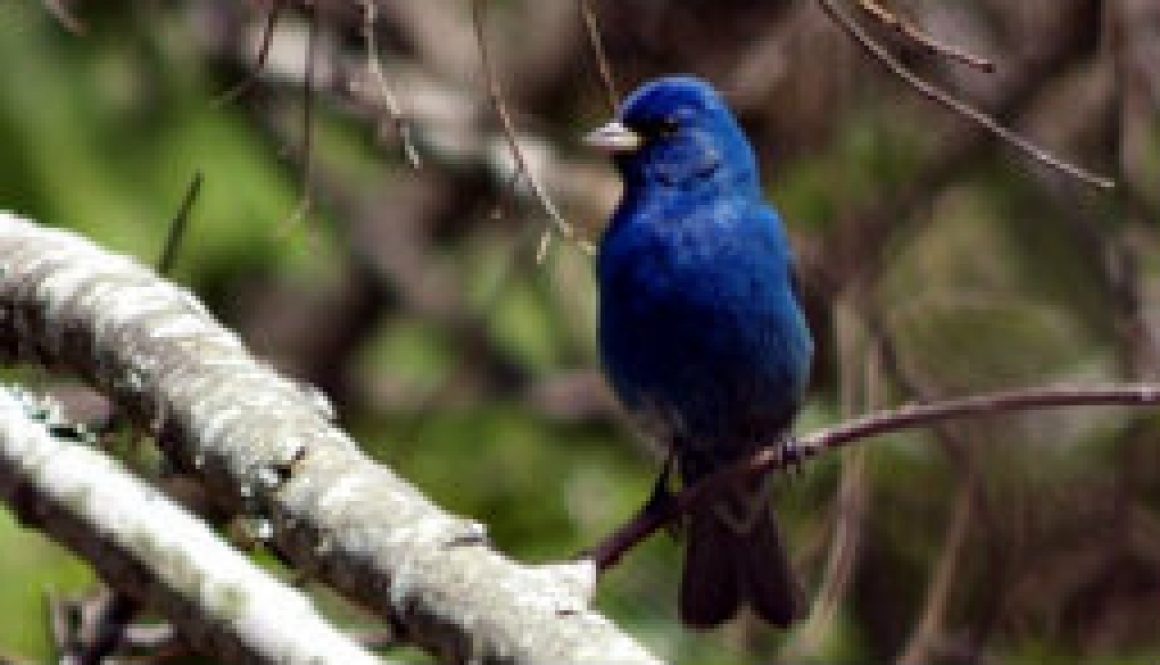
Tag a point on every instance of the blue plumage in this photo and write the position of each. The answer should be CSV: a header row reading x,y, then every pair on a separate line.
x,y
700,332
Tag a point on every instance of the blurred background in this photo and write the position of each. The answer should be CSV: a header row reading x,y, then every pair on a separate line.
x,y
935,262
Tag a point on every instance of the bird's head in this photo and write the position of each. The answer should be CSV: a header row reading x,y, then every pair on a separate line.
x,y
677,131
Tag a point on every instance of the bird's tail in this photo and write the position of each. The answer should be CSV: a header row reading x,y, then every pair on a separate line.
x,y
734,556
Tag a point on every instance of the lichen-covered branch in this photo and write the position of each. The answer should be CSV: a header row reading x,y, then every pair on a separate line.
x,y
147,546
265,445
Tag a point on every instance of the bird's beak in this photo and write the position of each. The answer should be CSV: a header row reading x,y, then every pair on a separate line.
x,y
613,138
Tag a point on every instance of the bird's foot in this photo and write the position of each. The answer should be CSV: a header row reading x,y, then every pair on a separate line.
x,y
661,498
792,457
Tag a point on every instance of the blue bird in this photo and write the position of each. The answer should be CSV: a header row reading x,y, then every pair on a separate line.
x,y
700,331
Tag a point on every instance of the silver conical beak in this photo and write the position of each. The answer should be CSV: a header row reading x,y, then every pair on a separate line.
x,y
613,138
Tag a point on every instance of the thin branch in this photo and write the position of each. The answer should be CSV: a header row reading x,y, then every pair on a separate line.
x,y
260,61
390,101
178,225
939,96
265,446
147,546
562,226
778,456
596,46
916,35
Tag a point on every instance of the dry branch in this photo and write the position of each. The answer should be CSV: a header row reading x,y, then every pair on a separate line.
x,y
780,456
921,39
390,101
148,547
596,46
938,95
264,444
561,225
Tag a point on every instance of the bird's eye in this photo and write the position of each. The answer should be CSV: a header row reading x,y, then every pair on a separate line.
x,y
652,129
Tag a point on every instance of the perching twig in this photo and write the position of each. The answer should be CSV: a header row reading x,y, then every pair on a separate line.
x,y
778,456
936,94
562,226
178,225
390,102
596,45
916,35
259,62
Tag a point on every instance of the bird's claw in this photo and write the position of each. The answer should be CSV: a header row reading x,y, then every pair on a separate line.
x,y
661,498
791,457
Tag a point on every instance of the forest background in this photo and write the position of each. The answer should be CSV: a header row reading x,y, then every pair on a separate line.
x,y
936,261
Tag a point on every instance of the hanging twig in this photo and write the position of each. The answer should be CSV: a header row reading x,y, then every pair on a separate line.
x,y
260,61
390,101
596,45
922,39
562,226
936,94
779,456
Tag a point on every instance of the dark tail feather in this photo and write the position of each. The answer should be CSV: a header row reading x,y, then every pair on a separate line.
x,y
729,562
710,586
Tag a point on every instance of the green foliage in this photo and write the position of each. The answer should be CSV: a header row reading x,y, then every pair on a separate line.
x,y
32,569
993,283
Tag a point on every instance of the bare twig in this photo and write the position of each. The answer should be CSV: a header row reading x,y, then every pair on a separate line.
x,y
596,45
916,35
778,456
260,61
939,96
390,101
562,226
178,226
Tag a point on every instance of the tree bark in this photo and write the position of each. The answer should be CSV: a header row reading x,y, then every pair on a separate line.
x,y
264,445
146,546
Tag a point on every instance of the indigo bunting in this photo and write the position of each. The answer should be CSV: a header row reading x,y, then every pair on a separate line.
x,y
700,331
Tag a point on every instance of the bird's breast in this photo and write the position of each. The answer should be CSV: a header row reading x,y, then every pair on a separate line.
x,y
699,327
